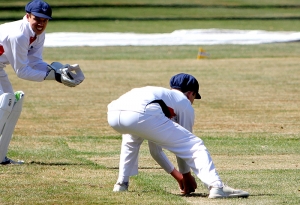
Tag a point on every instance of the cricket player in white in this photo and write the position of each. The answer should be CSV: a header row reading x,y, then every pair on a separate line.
x,y
21,45
146,113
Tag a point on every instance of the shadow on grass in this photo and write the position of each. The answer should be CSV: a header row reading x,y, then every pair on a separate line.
x,y
56,163
263,195
139,167
193,195
206,195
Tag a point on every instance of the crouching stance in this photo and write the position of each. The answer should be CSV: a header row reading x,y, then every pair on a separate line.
x,y
165,117
21,46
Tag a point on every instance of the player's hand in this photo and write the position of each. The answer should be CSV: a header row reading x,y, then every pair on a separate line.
x,y
181,187
179,178
189,183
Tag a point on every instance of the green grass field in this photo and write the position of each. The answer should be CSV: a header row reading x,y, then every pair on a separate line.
x,y
248,118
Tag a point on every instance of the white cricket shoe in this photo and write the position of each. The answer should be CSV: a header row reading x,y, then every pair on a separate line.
x,y
120,187
226,192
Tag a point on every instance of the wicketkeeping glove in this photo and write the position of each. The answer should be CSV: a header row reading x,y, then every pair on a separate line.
x,y
60,73
78,75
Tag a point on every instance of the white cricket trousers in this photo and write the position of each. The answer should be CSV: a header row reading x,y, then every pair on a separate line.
x,y
156,127
5,85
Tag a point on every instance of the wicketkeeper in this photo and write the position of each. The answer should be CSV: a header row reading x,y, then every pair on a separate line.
x,y
21,46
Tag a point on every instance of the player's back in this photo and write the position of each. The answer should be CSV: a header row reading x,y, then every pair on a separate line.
x,y
138,98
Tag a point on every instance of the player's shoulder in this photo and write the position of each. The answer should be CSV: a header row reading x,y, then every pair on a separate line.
x,y
20,32
178,94
14,29
12,24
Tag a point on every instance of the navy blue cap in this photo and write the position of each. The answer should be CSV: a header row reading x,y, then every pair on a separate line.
x,y
39,8
185,82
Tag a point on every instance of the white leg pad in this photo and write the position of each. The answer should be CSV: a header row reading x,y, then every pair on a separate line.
x,y
7,101
10,125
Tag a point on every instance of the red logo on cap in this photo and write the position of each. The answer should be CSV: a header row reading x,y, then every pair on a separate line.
x,y
1,50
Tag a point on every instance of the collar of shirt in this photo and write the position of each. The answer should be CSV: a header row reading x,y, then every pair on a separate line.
x,y
31,33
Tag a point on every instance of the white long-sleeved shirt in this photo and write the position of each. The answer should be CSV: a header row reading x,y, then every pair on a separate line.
x,y
138,98
17,49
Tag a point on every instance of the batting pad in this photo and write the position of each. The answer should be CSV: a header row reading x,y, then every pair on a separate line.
x,y
6,104
11,123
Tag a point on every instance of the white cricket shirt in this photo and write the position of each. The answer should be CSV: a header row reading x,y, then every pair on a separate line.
x,y
18,49
137,99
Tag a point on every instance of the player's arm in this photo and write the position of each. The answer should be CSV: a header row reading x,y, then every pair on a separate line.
x,y
35,55
29,65
186,182
185,117
160,157
16,51
68,75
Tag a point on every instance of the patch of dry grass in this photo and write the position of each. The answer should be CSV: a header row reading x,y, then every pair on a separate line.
x,y
239,95
72,154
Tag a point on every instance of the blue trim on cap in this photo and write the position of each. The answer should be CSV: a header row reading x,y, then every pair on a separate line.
x,y
41,15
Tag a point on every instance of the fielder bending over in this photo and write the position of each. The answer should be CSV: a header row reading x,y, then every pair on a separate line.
x,y
21,45
145,114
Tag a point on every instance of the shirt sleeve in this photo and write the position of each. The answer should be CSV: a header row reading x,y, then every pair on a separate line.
x,y
185,118
28,66
35,56
183,167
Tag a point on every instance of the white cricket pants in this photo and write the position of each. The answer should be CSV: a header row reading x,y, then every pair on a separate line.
x,y
5,85
157,128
